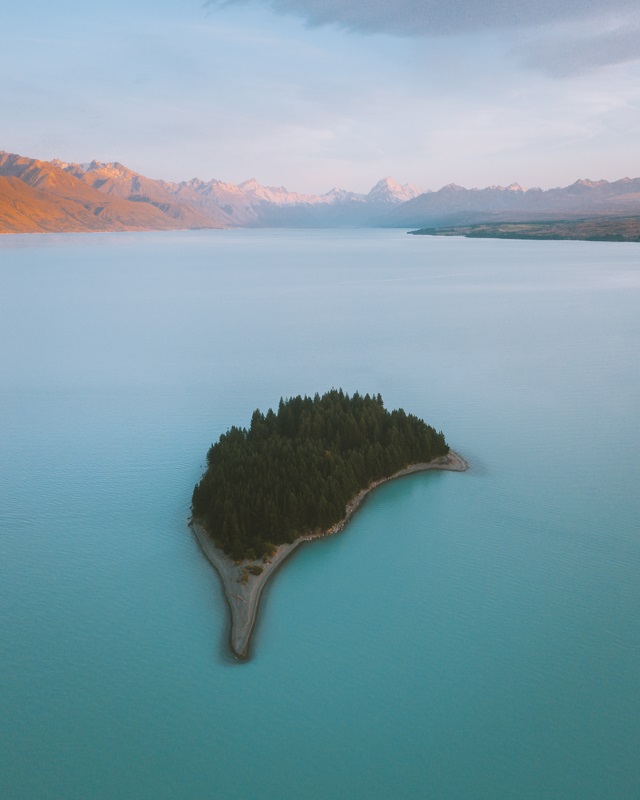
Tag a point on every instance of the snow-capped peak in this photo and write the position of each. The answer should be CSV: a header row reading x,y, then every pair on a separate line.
x,y
388,190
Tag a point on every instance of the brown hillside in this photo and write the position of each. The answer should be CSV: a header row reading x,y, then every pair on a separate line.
x,y
62,202
119,181
24,209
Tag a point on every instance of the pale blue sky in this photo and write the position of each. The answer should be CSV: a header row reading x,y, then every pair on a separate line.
x,y
320,93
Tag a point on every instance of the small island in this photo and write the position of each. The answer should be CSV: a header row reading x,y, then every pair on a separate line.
x,y
296,475
602,228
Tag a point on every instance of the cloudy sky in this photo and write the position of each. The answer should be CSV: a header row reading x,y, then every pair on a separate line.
x,y
320,93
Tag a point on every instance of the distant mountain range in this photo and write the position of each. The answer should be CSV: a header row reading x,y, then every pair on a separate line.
x,y
46,196
454,205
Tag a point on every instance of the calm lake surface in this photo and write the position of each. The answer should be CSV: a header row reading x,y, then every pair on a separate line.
x,y
468,636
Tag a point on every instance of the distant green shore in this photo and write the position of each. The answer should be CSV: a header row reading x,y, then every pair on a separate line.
x,y
591,229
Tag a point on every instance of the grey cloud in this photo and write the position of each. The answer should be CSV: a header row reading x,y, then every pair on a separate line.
x,y
577,55
425,17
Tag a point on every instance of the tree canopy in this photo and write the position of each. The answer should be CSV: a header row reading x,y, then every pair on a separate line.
x,y
293,471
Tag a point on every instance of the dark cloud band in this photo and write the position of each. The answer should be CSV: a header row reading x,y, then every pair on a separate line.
x,y
425,17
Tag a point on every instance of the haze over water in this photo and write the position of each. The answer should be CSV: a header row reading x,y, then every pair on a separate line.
x,y
468,636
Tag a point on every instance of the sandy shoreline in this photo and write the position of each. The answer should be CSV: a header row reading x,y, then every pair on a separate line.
x,y
244,598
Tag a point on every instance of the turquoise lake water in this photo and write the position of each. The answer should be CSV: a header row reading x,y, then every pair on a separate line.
x,y
468,636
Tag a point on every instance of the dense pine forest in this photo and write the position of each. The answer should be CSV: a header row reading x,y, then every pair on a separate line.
x,y
294,471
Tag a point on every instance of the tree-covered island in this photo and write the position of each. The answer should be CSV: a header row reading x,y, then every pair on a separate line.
x,y
292,472
295,475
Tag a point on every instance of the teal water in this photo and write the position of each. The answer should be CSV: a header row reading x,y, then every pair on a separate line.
x,y
468,636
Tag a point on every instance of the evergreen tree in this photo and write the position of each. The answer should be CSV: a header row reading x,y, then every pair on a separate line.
x,y
295,470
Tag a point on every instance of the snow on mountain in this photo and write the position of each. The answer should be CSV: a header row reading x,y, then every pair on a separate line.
x,y
340,196
389,191
277,195
251,203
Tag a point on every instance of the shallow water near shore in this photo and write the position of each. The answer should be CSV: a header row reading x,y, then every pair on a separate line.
x,y
467,636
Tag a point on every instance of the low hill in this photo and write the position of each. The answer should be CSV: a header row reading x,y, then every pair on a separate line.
x,y
593,229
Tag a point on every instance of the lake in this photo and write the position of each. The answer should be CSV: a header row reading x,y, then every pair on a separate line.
x,y
468,635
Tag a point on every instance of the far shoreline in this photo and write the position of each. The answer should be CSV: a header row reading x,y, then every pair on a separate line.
x,y
243,599
604,229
